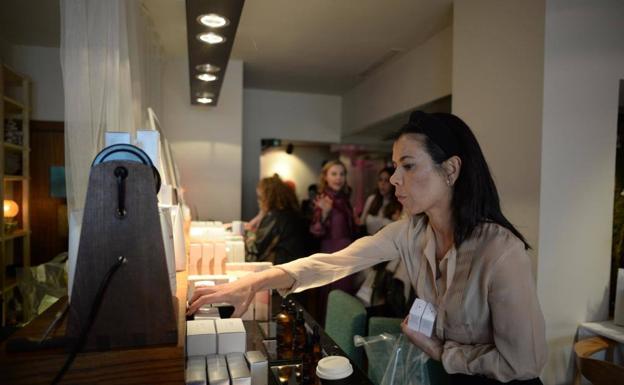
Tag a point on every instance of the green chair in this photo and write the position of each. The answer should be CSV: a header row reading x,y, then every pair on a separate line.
x,y
346,317
377,326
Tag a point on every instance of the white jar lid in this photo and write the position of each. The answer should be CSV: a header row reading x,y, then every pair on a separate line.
x,y
334,368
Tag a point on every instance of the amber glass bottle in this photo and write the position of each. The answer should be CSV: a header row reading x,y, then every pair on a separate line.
x,y
300,332
284,328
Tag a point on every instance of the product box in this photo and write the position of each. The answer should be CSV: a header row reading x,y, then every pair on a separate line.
x,y
116,137
207,312
196,371
217,370
239,373
258,366
422,317
231,336
201,338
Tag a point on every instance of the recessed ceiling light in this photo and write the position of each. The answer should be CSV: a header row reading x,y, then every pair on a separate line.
x,y
207,77
204,100
211,38
207,68
213,20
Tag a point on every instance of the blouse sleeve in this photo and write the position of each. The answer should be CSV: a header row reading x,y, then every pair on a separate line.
x,y
519,349
318,227
321,269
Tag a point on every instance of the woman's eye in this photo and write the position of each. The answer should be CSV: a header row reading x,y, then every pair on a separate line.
x,y
407,166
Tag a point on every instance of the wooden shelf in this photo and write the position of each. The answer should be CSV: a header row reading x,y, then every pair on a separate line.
x,y
9,284
15,234
12,106
14,178
14,147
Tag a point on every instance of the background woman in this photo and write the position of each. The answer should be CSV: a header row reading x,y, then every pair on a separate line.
x,y
461,253
281,235
382,207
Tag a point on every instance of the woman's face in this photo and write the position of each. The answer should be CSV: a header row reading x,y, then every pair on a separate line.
x,y
336,177
420,184
383,183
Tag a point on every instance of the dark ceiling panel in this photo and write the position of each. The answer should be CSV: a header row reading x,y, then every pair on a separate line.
x,y
203,53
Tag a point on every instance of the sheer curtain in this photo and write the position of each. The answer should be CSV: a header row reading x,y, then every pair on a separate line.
x,y
110,59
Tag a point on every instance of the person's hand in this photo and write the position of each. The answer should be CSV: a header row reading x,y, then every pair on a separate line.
x,y
325,203
238,294
432,346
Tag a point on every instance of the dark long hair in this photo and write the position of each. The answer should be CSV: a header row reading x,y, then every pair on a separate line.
x,y
378,199
475,197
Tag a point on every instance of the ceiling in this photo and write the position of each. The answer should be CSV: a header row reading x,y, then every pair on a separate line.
x,y
318,46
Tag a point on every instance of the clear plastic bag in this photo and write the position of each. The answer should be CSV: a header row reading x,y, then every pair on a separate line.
x,y
407,365
378,351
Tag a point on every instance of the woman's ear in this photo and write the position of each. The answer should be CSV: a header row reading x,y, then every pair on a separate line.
x,y
452,168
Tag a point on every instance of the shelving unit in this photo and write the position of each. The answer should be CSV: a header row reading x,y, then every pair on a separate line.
x,y
14,171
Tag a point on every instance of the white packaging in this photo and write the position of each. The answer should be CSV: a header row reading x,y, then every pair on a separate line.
x,y
166,195
258,366
237,366
415,314
427,322
201,338
167,235
149,141
207,258
219,258
196,371
216,367
177,218
231,336
618,316
195,259
238,227
116,137
207,312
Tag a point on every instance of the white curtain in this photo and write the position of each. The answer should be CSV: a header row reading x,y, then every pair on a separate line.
x,y
110,59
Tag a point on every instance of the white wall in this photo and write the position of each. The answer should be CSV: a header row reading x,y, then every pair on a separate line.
x,y
584,63
43,66
283,115
206,141
417,77
497,90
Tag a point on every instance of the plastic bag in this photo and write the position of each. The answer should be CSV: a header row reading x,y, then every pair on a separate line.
x,y
407,365
378,351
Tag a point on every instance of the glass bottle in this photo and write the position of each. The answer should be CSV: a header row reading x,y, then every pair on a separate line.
x,y
284,328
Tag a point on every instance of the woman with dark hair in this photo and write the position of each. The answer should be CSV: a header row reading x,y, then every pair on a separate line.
x,y
280,236
461,253
382,207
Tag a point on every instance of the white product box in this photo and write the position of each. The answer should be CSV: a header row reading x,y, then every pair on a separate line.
x,y
196,371
239,373
231,336
195,259
177,217
422,317
207,312
219,258
207,258
216,367
116,137
415,314
167,235
258,366
201,338
149,141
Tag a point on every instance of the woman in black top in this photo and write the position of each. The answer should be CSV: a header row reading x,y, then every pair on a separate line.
x,y
281,235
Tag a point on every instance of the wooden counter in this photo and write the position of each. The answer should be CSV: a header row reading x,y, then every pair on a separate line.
x,y
146,365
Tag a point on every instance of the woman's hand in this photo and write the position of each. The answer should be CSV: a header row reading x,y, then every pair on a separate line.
x,y
325,203
238,294
430,345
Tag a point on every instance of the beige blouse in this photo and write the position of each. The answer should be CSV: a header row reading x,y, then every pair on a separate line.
x,y
489,316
